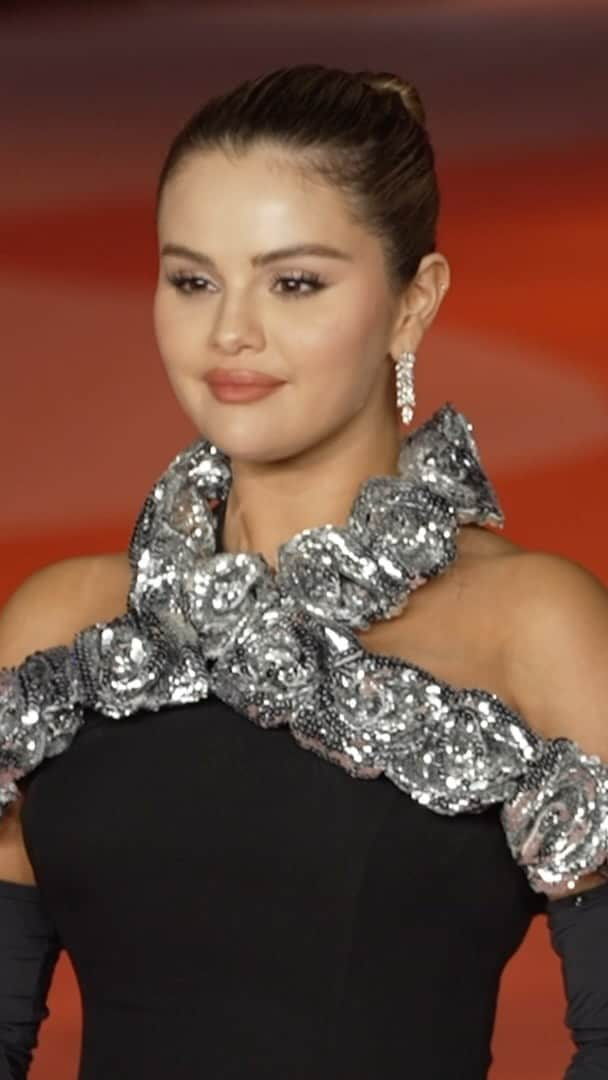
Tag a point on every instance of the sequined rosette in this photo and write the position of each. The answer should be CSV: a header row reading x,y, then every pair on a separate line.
x,y
280,648
40,712
556,822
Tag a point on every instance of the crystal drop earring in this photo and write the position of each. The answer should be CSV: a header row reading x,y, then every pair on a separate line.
x,y
404,370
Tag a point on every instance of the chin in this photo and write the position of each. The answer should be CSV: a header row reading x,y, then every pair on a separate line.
x,y
258,445
256,433
242,439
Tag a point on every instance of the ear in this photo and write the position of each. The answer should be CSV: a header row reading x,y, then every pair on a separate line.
x,y
419,303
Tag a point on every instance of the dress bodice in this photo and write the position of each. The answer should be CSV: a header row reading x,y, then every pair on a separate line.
x,y
281,650
268,851
240,907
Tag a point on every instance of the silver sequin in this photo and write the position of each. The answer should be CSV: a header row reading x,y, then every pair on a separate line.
x,y
281,649
556,822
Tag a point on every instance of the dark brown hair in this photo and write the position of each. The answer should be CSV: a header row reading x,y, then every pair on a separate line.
x,y
363,131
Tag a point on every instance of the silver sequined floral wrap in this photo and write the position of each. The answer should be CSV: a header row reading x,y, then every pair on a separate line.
x,y
556,821
40,712
281,649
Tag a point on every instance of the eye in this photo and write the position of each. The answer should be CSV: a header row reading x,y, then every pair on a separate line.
x,y
188,283
300,283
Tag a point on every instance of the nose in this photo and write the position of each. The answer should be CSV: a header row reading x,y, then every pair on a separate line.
x,y
236,326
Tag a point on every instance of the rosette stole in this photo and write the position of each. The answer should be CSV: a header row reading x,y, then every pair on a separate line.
x,y
280,649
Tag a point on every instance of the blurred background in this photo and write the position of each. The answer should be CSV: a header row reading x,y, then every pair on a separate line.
x,y
516,94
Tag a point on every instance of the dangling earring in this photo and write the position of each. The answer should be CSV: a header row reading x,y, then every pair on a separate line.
x,y
404,370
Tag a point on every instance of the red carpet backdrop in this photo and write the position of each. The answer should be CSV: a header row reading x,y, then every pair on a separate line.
x,y
516,97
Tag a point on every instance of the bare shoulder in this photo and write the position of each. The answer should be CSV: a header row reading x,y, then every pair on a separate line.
x,y
48,609
58,600
533,627
556,647
479,542
453,626
468,591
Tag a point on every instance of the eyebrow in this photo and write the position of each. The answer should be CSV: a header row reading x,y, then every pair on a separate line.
x,y
263,259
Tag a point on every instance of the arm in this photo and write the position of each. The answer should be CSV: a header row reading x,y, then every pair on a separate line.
x,y
559,676
29,948
579,935
46,610
38,668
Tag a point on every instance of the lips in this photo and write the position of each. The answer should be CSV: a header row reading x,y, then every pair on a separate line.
x,y
240,377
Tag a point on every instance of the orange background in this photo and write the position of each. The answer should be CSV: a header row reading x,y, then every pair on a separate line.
x,y
516,99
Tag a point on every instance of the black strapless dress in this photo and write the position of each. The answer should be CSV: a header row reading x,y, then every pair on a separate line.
x,y
236,907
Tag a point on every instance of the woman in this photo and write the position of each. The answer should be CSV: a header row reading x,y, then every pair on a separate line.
x,y
184,746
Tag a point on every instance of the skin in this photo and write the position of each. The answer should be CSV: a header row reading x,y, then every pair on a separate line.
x,y
300,455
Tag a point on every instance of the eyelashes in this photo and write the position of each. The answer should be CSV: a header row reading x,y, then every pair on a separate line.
x,y
301,283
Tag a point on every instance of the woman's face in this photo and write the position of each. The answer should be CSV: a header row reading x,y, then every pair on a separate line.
x,y
321,322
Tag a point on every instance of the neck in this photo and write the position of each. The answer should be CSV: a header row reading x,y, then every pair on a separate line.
x,y
268,503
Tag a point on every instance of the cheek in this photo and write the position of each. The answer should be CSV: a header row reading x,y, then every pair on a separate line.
x,y
174,348
335,347
161,321
173,329
350,318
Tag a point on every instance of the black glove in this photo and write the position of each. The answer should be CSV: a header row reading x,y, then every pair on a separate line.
x,y
29,948
579,935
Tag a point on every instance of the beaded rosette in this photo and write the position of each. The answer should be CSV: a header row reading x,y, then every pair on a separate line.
x,y
280,649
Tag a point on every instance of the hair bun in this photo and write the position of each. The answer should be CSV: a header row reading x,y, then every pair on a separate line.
x,y
387,82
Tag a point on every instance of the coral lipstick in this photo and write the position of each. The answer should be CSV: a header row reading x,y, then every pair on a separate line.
x,y
240,385
236,392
